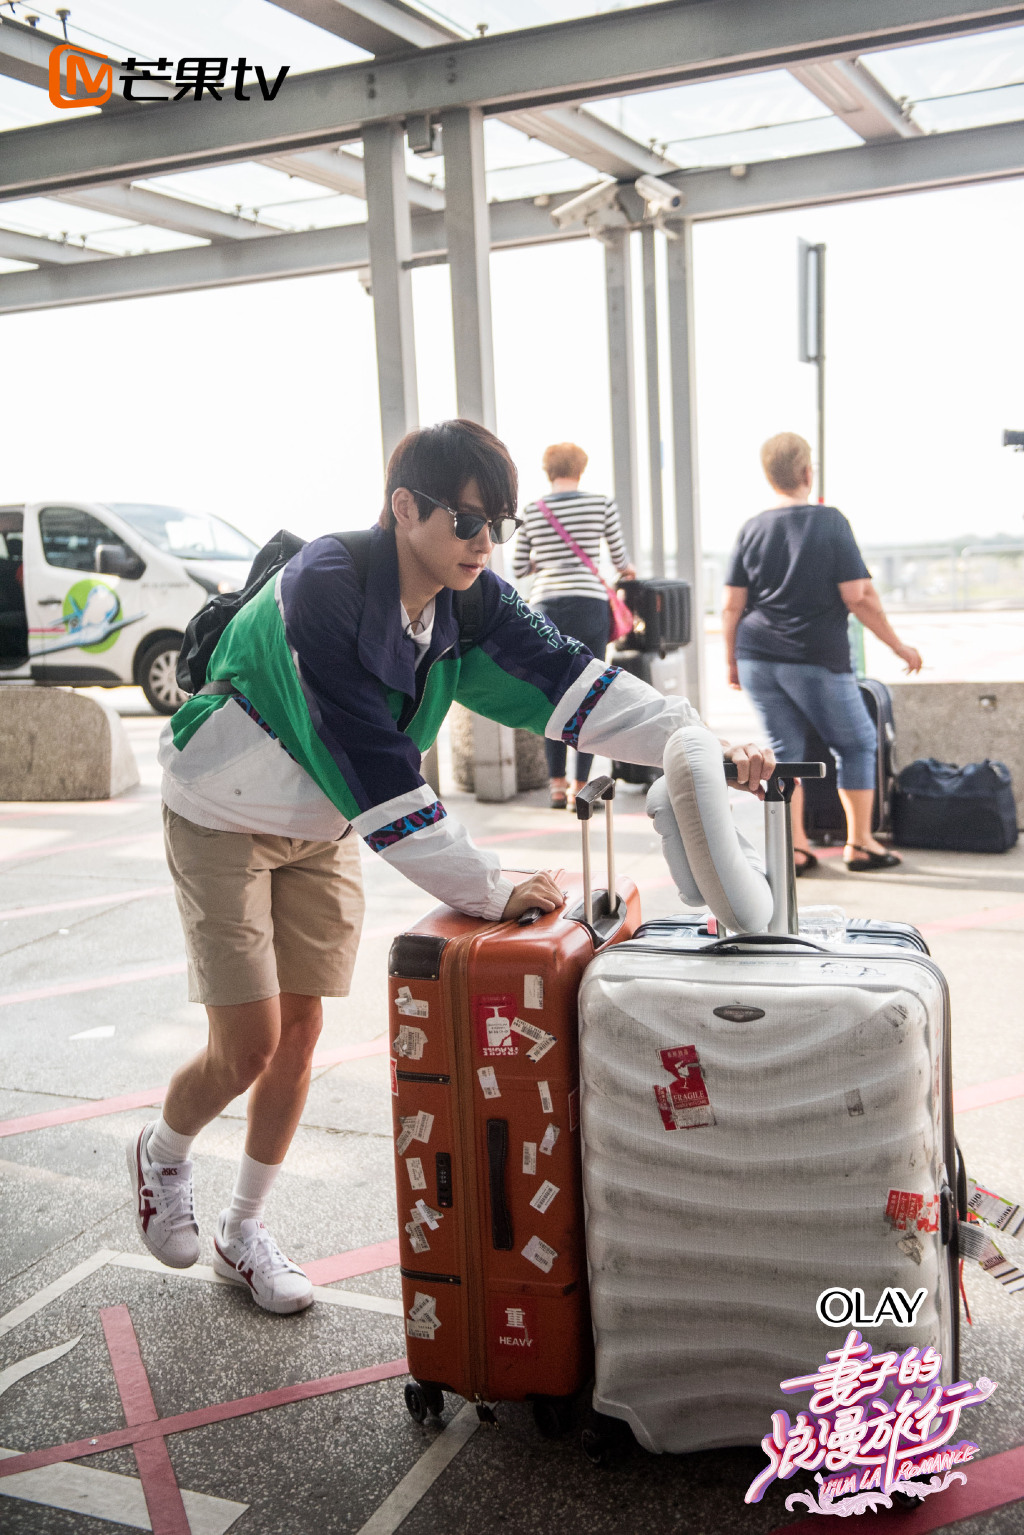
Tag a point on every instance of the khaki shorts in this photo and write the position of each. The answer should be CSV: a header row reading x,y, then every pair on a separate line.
x,y
264,914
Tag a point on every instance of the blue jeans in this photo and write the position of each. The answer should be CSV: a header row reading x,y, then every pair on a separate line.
x,y
790,697
587,619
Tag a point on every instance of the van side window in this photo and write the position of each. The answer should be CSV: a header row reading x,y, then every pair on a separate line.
x,y
70,537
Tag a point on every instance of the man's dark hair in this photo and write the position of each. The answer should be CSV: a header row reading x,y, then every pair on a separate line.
x,y
440,461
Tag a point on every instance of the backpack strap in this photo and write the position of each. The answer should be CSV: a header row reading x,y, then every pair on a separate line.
x,y
358,546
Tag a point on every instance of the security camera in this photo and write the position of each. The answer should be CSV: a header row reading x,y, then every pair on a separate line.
x,y
660,196
586,208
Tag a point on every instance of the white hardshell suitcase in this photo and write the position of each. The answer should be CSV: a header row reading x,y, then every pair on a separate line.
x,y
814,1109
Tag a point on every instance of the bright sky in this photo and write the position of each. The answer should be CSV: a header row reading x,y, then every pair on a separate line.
x,y
260,402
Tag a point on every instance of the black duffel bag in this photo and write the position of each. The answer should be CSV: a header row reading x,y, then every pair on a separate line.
x,y
957,809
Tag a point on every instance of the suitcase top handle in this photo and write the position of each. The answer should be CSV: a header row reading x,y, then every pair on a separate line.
x,y
598,788
780,784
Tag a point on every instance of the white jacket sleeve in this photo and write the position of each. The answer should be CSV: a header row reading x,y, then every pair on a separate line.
x,y
612,713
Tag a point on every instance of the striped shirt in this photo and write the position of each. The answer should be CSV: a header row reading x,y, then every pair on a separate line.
x,y
560,573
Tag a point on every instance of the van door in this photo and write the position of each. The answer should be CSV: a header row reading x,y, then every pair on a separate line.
x,y
80,622
13,622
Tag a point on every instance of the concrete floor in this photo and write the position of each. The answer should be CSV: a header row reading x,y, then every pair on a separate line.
x,y
92,1007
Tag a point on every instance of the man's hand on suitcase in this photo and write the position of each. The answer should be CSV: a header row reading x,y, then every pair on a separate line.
x,y
754,764
539,890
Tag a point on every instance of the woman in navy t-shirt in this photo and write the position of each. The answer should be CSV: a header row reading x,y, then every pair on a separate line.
x,y
795,574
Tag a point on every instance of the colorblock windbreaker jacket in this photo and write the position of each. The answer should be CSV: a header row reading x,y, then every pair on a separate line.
x,y
328,715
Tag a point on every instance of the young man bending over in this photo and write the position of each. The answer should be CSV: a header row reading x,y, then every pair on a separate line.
x,y
322,694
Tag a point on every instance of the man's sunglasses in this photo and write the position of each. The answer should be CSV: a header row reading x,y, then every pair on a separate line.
x,y
468,524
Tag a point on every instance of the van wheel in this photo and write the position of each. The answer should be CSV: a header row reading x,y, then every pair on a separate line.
x,y
156,675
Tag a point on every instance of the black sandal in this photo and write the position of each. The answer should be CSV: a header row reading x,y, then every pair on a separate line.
x,y
559,800
809,860
871,860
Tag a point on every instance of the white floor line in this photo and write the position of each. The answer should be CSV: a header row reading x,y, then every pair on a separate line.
x,y
16,1372
108,1495
51,1291
416,1483
356,1299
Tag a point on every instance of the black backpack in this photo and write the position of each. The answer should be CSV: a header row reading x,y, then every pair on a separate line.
x,y
203,631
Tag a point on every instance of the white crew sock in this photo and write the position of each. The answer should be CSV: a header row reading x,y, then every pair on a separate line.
x,y
253,1184
166,1147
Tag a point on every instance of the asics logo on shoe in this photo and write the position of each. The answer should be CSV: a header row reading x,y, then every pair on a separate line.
x,y
168,1172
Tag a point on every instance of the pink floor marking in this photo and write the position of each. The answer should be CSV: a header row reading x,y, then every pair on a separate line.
x,y
974,919
991,1483
93,900
159,1484
98,983
241,1407
986,1093
72,845
361,1260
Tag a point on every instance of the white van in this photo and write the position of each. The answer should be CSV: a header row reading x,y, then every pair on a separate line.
x,y
99,595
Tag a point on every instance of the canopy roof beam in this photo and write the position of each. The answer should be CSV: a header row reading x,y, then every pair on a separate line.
x,y
850,91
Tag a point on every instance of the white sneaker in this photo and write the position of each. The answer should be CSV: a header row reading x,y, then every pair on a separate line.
x,y
253,1258
164,1211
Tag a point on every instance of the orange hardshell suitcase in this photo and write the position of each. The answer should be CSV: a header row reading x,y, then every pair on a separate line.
x,y
485,1084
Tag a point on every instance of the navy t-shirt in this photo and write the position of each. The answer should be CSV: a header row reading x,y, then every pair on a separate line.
x,y
791,560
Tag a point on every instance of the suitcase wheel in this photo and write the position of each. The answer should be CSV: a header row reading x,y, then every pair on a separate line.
x,y
422,1398
602,1438
552,1415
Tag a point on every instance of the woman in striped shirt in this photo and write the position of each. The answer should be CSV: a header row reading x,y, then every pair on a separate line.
x,y
565,590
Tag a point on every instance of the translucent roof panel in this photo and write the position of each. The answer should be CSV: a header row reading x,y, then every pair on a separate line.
x,y
511,15
23,105
958,65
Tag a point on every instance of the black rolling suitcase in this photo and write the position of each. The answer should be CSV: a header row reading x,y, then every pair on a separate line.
x,y
824,821
667,674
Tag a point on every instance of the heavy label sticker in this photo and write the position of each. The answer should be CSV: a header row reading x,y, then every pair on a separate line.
x,y
533,992
545,1098
410,1042
529,1157
394,1077
539,1254
684,1104
406,1003
414,1168
417,1238
544,1197
995,1210
542,1041
574,1109
488,1082
493,1017
513,1326
906,1211
548,1140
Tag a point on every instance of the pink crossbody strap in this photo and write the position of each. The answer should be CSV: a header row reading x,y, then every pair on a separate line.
x,y
567,538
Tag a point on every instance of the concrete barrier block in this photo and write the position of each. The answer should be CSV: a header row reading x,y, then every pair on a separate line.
x,y
55,744
530,761
961,722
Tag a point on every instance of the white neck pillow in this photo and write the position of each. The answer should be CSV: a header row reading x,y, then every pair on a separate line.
x,y
711,862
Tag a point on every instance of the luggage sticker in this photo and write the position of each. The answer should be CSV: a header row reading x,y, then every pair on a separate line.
x,y
422,1321
417,1238
404,1141
414,1168
493,1016
406,1003
539,1254
912,1212
533,992
545,1098
977,1244
854,1102
995,1210
488,1081
515,1327
684,1104
394,1078
415,1127
529,1157
410,1042
547,1144
542,1041
544,1197
426,1216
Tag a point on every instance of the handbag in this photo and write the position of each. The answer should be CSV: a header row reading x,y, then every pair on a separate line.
x,y
621,617
967,809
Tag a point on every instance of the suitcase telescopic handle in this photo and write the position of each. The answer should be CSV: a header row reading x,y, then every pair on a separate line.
x,y
780,866
586,799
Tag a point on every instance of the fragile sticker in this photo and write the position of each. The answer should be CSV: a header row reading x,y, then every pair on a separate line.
x,y
539,1254
995,1210
410,1042
414,1167
533,991
544,1197
906,1211
488,1082
574,1109
542,1041
684,1104
407,1004
529,1157
493,1017
545,1098
417,1237
548,1140
428,1217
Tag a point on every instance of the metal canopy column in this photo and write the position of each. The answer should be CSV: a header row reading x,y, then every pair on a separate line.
x,y
619,292
389,235
468,232
653,401
689,564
